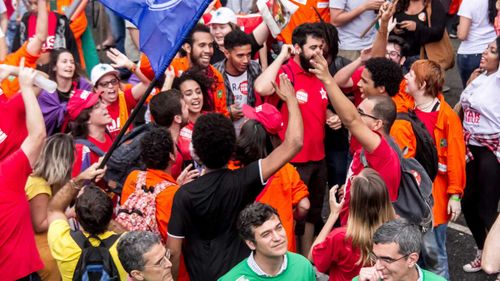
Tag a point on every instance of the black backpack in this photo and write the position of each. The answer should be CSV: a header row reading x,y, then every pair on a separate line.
x,y
415,200
95,263
426,152
126,157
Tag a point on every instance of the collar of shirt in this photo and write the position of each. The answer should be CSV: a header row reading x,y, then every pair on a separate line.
x,y
420,273
257,270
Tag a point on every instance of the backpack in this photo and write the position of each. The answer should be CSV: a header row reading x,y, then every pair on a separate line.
x,y
95,263
86,157
415,200
426,152
126,157
139,211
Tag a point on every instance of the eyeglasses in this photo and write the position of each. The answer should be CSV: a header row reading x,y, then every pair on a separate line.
x,y
362,113
393,54
106,84
163,261
374,258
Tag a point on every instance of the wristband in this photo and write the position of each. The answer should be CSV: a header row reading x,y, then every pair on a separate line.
x,y
75,185
455,198
133,68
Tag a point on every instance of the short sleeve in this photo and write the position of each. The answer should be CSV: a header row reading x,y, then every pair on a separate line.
x,y
129,186
129,98
62,246
466,9
299,188
326,253
36,186
338,4
15,169
251,180
385,161
179,218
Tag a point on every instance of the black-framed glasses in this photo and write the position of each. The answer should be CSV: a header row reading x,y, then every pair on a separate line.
x,y
163,261
393,54
374,258
362,113
112,82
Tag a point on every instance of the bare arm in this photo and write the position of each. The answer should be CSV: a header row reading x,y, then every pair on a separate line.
x,y
294,136
34,47
340,17
175,246
491,250
33,144
38,204
302,209
261,32
343,77
344,108
379,47
263,84
463,28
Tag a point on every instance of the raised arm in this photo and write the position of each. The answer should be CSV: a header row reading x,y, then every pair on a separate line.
x,y
340,17
379,47
294,135
343,77
263,84
34,46
344,108
33,144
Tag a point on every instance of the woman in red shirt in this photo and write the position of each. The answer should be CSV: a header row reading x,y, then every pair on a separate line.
x,y
342,252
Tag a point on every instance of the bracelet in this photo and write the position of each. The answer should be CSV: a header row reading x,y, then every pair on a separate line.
x,y
133,68
455,197
75,185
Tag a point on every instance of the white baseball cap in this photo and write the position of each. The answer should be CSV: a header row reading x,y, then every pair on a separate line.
x,y
223,15
100,70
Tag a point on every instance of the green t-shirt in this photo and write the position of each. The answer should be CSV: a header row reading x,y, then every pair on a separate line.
x,y
298,269
426,276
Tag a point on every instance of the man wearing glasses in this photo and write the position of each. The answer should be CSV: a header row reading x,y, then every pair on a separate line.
x,y
144,257
396,249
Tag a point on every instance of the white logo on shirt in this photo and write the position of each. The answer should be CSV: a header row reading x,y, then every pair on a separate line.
x,y
302,96
186,133
323,94
114,125
3,136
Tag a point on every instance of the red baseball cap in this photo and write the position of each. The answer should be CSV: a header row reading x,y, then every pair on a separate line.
x,y
267,115
81,100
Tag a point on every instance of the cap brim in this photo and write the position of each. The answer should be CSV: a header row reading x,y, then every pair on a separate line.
x,y
249,112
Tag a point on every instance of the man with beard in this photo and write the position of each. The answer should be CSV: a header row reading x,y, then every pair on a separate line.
x,y
308,41
199,49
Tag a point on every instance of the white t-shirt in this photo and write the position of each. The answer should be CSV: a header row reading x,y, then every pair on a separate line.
x,y
481,32
239,88
481,105
349,33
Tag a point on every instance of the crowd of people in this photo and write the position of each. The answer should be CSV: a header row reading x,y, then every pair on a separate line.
x,y
328,149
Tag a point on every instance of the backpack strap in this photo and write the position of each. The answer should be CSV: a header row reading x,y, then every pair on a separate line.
x,y
110,241
94,148
141,180
161,186
362,158
80,239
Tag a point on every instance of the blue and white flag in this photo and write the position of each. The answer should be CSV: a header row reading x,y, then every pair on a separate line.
x,y
163,25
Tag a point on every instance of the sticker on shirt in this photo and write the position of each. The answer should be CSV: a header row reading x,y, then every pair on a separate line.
x,y
114,125
3,136
241,88
323,94
302,96
472,117
322,5
302,2
186,133
422,16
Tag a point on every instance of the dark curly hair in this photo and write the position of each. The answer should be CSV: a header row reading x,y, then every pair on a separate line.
x,y
254,142
196,74
54,56
252,216
197,28
156,145
94,210
385,73
300,33
80,127
165,106
214,140
236,38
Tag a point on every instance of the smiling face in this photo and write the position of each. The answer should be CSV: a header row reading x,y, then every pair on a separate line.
x,y
270,239
65,66
219,31
238,59
393,265
192,96
108,88
489,58
202,50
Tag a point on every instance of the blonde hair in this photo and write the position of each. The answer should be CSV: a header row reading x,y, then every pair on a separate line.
x,y
369,208
56,161
431,73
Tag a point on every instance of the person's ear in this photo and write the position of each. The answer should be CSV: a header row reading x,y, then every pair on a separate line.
x,y
423,85
298,49
178,119
250,245
172,157
412,259
381,90
226,53
136,275
187,48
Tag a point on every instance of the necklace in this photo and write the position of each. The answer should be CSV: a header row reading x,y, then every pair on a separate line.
x,y
427,106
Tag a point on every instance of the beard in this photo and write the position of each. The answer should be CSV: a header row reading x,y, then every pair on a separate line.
x,y
304,62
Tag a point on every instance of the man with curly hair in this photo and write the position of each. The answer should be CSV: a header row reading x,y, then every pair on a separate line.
x,y
205,211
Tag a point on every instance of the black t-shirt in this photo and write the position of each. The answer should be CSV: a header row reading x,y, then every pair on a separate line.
x,y
205,212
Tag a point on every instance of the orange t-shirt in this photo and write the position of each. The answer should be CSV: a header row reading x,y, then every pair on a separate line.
x,y
11,86
284,191
164,200
305,13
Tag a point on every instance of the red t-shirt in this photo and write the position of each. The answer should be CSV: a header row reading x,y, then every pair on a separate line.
x,y
336,256
313,101
114,111
356,76
184,140
429,119
385,161
18,253
12,125
81,152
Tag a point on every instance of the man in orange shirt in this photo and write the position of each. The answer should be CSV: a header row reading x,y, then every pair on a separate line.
x,y
308,11
199,47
